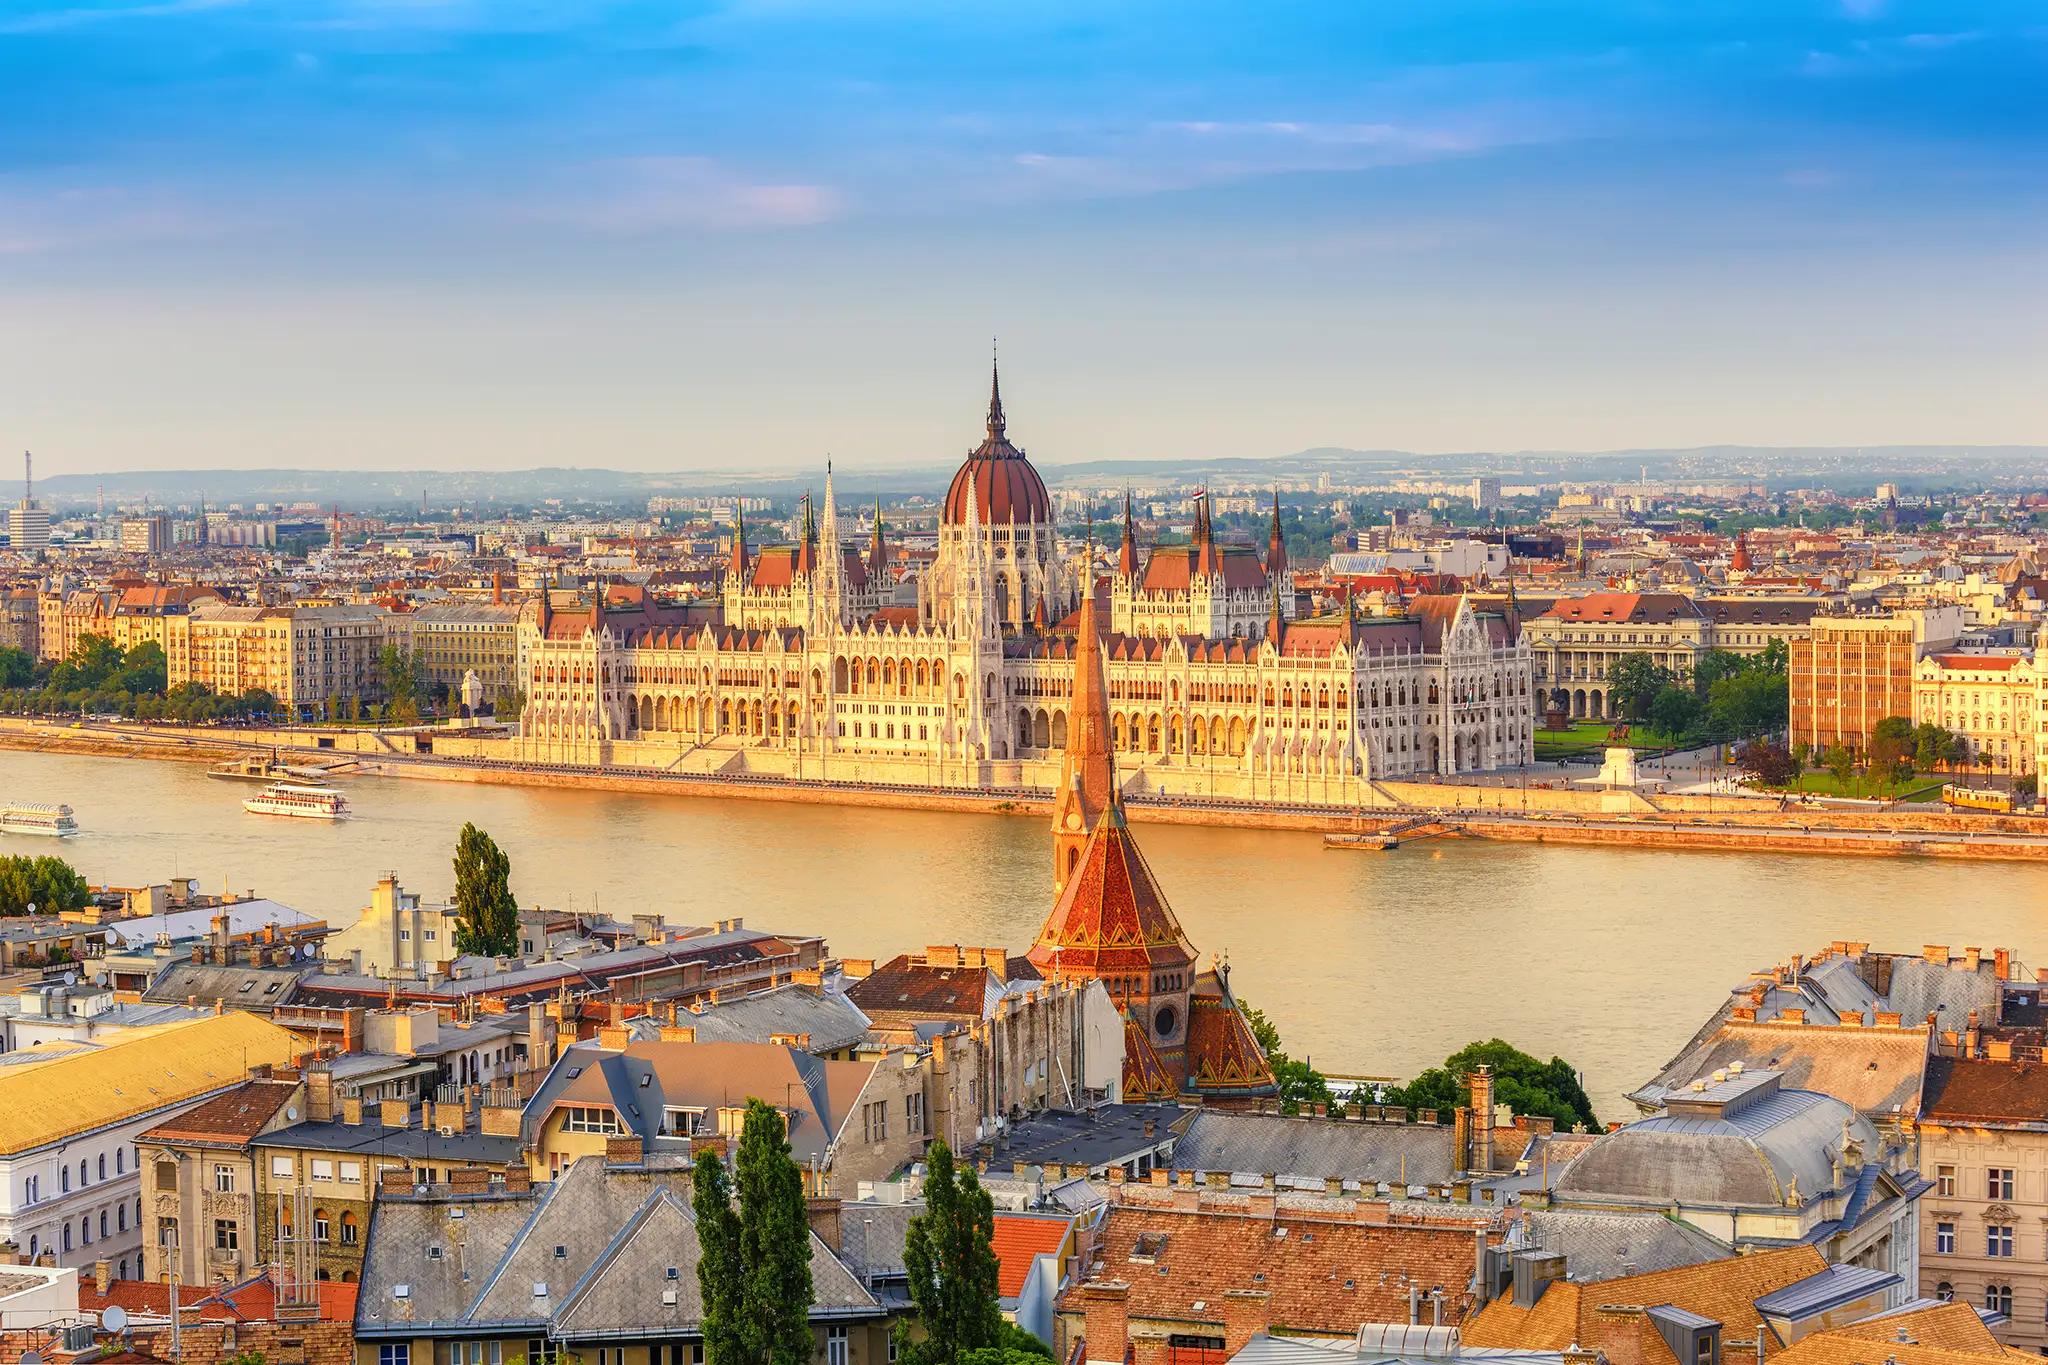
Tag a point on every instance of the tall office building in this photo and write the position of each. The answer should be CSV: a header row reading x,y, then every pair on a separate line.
x,y
28,524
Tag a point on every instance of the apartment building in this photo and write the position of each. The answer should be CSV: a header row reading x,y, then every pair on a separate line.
x,y
1989,697
1983,1128
302,656
1854,670
452,639
70,1177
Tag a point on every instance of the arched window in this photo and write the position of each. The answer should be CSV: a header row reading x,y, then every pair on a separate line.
x,y
320,1225
67,1247
121,1218
1945,1291
120,1160
349,1229
64,1180
103,1165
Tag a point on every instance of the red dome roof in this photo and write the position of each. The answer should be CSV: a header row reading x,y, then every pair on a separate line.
x,y
1007,489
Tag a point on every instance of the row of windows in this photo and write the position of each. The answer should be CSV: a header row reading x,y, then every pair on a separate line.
x,y
32,1186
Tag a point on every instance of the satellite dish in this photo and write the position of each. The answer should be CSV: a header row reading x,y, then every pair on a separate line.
x,y
71,978
32,910
99,978
114,1318
292,1114
31,1358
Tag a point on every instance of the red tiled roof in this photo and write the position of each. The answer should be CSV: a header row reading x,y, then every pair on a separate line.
x,y
1993,663
232,1118
1019,1237
1112,919
1324,1275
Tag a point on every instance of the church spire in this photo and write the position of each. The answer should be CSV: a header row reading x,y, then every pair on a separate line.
x,y
1276,542
878,546
995,401
1087,793
739,538
1127,552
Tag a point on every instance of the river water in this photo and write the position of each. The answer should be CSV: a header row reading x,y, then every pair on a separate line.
x,y
1371,963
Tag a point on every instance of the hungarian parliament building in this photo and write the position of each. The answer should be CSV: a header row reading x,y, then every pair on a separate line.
x,y
1216,688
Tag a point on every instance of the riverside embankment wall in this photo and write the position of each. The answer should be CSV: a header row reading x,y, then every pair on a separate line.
x,y
1661,820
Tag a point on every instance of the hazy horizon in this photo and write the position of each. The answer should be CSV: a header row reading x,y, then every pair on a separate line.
x,y
372,234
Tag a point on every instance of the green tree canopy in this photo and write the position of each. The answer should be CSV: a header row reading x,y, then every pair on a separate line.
x,y
486,915
1300,1084
1633,682
1674,710
49,884
949,1252
1520,1081
755,1270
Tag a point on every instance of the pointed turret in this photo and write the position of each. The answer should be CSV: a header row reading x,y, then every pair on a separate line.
x,y
878,547
995,403
1088,787
1127,552
739,540
806,558
1207,561
1276,543
1276,628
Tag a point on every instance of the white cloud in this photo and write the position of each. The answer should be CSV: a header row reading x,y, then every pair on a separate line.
x,y
646,194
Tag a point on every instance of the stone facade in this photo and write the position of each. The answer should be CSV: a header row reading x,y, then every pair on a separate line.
x,y
811,677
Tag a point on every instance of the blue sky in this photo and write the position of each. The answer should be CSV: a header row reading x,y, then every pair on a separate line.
x,y
433,233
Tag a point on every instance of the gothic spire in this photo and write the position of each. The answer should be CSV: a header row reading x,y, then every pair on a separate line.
x,y
1127,553
878,546
1276,542
739,538
995,401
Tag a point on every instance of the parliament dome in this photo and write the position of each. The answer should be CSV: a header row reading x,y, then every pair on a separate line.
x,y
1006,489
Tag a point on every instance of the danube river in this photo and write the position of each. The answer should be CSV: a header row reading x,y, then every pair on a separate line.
x,y
1373,963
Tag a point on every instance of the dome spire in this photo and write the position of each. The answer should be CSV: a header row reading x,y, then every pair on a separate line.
x,y
995,397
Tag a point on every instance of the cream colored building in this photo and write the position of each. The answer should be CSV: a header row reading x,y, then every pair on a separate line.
x,y
450,640
1983,1127
1992,699
302,656
397,935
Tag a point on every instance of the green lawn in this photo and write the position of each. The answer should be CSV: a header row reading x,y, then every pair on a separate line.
x,y
1589,737
1921,788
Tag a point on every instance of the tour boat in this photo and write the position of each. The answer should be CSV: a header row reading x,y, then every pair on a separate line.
x,y
291,798
52,822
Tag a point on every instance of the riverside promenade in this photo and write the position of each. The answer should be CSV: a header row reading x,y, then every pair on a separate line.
x,y
1536,811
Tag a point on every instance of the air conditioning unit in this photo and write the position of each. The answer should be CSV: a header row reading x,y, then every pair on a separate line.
x,y
668,1300
446,1130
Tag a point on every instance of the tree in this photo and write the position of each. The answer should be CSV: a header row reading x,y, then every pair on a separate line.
x,y
1713,666
1769,762
1840,762
721,1276
1520,1081
1674,710
1891,741
400,673
486,915
144,669
1751,702
949,1252
1299,1083
50,884
755,1267
17,667
1633,682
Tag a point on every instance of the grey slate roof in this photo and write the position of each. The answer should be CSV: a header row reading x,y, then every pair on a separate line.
x,y
832,1021
1750,1158
374,1139
1606,1246
619,1231
244,988
1315,1149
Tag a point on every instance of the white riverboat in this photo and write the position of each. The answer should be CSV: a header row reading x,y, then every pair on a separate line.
x,y
291,798
52,822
